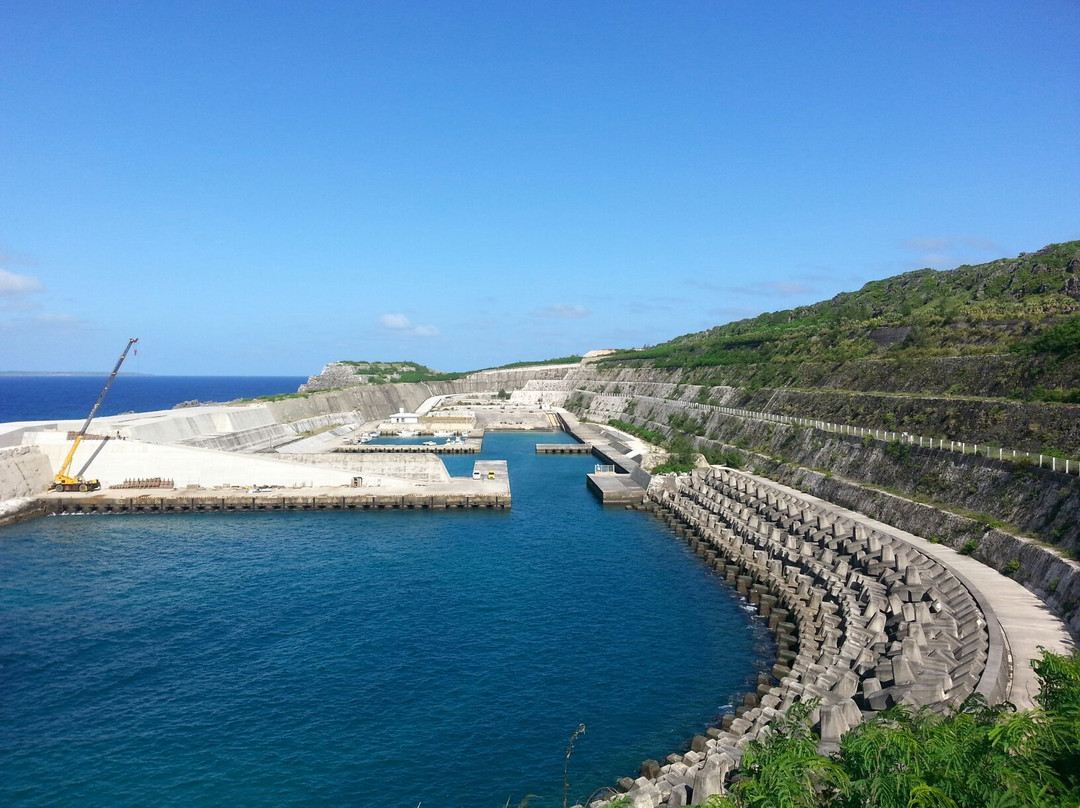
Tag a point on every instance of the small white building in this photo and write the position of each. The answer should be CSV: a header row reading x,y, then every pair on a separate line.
x,y
402,417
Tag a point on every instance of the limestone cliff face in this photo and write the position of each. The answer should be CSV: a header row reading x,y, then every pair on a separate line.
x,y
24,472
333,375
338,375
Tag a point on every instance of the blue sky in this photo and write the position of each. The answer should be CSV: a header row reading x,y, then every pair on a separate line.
x,y
264,187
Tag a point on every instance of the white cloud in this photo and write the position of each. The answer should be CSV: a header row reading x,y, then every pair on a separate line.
x,y
12,284
562,311
402,324
397,322
949,252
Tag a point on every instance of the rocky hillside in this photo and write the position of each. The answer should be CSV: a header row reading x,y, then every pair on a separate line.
x,y
1019,317
986,355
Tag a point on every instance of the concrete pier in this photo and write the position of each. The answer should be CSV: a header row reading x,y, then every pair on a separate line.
x,y
630,481
614,489
470,447
156,501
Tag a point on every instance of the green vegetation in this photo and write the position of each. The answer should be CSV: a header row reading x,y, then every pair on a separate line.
x,y
562,360
1009,304
310,433
975,757
897,450
395,372
730,458
681,459
646,434
282,396
1061,340
679,446
400,372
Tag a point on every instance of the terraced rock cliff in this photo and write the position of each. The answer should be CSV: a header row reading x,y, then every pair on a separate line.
x,y
984,356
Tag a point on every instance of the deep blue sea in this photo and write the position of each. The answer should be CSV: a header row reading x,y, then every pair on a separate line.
x,y
38,398
385,658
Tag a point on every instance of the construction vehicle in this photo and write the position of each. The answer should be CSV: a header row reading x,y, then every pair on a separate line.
x,y
63,480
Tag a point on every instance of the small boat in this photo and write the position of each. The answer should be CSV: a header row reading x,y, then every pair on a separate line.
x,y
407,433
429,443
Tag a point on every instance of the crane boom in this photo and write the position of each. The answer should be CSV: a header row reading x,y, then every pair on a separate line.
x,y
63,481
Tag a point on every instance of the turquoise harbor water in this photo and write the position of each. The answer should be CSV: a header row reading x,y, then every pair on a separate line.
x,y
379,658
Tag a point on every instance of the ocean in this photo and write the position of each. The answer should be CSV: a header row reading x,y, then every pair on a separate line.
x,y
389,658
38,398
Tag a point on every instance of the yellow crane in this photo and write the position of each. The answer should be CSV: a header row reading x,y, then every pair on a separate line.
x,y
64,481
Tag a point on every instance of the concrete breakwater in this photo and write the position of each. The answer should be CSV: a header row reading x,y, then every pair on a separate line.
x,y
863,618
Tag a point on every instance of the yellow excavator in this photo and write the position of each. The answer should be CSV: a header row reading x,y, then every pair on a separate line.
x,y
64,481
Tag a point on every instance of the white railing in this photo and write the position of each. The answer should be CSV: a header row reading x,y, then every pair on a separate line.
x,y
1065,465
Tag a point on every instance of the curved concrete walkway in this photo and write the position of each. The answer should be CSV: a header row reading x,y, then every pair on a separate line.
x,y
1027,624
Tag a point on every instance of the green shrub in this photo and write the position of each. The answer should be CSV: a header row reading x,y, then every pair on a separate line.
x,y
969,547
973,757
897,450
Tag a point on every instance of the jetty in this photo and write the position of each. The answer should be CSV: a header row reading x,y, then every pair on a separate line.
x,y
620,480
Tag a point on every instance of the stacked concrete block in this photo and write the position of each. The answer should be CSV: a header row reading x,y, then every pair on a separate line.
x,y
862,620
